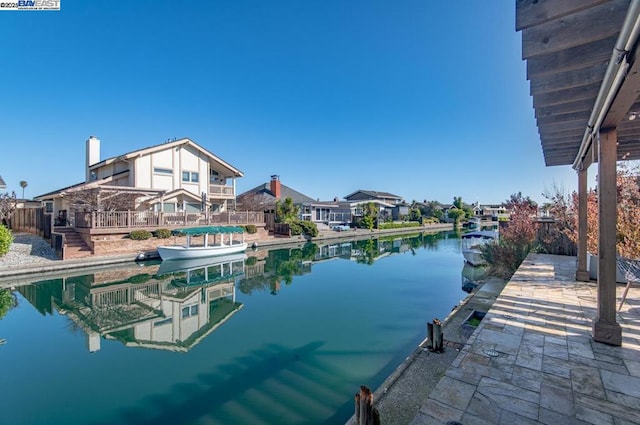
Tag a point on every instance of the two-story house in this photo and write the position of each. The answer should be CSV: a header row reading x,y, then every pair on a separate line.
x,y
178,175
390,206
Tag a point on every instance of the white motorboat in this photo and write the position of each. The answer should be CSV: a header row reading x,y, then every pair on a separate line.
x,y
217,240
471,243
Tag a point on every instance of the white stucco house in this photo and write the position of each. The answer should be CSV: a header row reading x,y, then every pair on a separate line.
x,y
178,175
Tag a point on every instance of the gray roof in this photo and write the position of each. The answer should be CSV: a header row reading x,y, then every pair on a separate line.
x,y
375,194
3,185
264,190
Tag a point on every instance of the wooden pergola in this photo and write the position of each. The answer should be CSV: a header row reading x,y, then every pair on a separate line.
x,y
583,71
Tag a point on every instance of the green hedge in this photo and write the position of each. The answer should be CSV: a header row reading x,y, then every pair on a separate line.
x,y
6,238
163,233
251,228
399,225
139,235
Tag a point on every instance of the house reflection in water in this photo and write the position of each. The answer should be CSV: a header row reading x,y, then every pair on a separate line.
x,y
170,307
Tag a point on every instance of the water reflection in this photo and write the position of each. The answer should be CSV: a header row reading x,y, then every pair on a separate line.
x,y
290,358
174,305
471,276
169,307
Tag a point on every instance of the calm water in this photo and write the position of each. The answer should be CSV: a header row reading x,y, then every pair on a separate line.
x,y
278,337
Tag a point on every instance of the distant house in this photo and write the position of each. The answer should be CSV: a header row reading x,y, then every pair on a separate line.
x,y
3,185
490,211
372,195
389,205
266,195
178,175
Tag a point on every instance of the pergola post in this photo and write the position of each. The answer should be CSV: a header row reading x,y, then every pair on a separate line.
x,y
582,274
605,327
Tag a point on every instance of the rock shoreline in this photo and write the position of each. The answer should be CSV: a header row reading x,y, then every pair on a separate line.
x,y
28,249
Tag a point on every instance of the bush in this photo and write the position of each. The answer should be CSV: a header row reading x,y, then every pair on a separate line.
x,y
295,228
251,261
251,228
163,233
399,225
309,228
6,238
140,278
139,235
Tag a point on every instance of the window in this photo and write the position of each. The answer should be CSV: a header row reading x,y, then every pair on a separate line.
x,y
159,170
190,176
48,207
189,311
166,321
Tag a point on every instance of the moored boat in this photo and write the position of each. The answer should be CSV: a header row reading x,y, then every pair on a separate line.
x,y
473,241
223,243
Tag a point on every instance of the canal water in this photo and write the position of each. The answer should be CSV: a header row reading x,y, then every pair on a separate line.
x,y
282,336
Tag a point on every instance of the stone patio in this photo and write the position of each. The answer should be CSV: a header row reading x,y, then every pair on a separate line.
x,y
532,359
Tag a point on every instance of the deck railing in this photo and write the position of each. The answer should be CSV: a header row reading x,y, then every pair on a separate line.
x,y
216,189
152,219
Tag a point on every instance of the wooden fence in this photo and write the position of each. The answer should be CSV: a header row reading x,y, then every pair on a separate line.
x,y
31,220
152,219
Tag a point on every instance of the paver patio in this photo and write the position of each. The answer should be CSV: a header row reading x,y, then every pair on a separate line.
x,y
532,359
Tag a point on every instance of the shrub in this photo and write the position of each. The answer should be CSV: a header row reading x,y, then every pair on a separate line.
x,y
140,278
139,235
7,301
309,228
295,228
6,238
163,233
399,225
251,261
251,228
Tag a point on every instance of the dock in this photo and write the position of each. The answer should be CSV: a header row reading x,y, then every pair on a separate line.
x,y
532,360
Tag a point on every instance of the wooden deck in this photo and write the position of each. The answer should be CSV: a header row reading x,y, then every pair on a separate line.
x,y
126,220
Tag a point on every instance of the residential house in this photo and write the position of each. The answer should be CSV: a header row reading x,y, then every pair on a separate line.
x,y
388,204
177,175
490,211
3,185
372,195
266,195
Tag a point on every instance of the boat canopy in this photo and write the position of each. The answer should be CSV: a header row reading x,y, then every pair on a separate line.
x,y
212,230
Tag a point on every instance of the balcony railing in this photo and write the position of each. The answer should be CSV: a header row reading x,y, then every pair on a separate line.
x,y
220,191
152,219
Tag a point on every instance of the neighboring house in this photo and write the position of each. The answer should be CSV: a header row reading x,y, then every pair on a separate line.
x,y
372,195
400,211
178,175
266,195
388,204
3,185
490,211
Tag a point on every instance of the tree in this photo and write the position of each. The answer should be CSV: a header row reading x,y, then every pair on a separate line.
x,y
23,185
96,199
456,214
517,200
369,216
7,206
457,202
564,209
516,240
286,212
254,202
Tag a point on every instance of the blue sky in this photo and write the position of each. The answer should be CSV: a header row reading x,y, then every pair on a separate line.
x,y
424,99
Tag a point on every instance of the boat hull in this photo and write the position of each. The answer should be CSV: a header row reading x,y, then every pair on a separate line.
x,y
473,257
182,252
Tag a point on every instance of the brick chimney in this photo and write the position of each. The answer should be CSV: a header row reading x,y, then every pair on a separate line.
x,y
275,186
